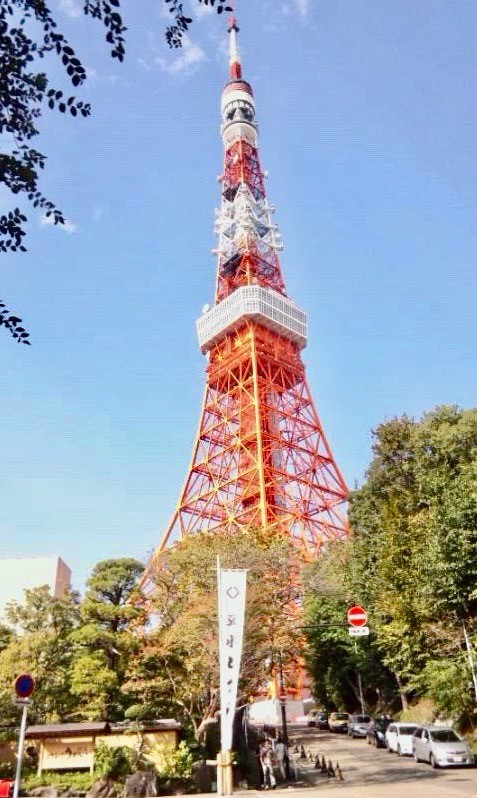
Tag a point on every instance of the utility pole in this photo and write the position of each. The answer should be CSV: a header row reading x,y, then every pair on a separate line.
x,y
470,656
284,714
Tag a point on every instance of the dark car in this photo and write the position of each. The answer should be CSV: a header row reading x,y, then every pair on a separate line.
x,y
358,725
375,734
319,719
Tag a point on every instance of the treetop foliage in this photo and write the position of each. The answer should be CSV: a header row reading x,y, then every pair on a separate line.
x,y
412,558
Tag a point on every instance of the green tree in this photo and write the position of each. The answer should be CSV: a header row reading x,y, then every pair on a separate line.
x,y
177,664
414,546
333,658
40,645
105,639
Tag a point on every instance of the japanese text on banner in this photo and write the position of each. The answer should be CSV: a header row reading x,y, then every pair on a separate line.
x,y
232,588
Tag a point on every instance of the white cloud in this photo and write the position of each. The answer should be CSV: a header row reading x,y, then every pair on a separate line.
x,y
302,6
68,227
223,49
187,59
98,213
202,11
72,8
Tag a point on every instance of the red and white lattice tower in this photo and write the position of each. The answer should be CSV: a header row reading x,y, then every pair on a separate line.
x,y
261,456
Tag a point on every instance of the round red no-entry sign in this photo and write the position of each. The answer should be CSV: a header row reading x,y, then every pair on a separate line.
x,y
357,616
24,685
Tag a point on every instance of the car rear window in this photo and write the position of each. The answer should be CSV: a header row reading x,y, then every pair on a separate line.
x,y
406,729
362,719
445,736
340,716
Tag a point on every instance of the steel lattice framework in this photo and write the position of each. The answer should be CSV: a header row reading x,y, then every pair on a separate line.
x,y
261,456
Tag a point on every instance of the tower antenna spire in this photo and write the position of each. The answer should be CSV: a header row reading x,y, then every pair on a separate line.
x,y
235,62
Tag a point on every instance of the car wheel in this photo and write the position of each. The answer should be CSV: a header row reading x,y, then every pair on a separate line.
x,y
432,761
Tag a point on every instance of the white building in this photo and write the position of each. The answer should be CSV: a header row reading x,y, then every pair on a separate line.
x,y
18,574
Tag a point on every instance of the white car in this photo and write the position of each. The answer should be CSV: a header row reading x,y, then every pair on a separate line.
x,y
441,746
399,738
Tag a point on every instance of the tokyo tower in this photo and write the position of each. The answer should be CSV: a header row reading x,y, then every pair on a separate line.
x,y
261,456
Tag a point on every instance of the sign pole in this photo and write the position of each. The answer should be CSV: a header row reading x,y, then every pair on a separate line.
x,y
24,687
21,742
360,686
357,617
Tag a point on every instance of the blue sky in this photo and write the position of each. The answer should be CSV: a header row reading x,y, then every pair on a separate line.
x,y
367,114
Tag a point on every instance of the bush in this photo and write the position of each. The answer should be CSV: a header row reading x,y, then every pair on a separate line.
x,y
62,781
117,763
449,685
174,768
7,770
173,763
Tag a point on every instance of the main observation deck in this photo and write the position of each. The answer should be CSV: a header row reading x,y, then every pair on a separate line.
x,y
252,302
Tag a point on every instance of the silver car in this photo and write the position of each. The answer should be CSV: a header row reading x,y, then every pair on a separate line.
x,y
441,746
358,725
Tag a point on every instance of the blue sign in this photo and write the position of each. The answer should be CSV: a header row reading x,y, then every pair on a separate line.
x,y
24,685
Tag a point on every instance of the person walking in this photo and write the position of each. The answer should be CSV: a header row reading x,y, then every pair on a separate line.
x,y
280,754
267,760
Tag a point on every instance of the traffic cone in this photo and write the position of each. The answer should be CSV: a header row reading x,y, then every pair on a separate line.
x,y
317,762
324,769
338,772
331,770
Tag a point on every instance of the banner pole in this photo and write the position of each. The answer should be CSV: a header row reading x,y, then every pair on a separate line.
x,y
232,587
220,784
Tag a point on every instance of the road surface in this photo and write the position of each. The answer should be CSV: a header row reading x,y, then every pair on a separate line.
x,y
375,773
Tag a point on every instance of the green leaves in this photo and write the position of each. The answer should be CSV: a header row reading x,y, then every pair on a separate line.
x,y
415,546
77,651
178,661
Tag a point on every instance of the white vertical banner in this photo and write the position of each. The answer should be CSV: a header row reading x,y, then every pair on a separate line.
x,y
232,584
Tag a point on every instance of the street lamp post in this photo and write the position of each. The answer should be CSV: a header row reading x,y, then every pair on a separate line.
x,y
284,714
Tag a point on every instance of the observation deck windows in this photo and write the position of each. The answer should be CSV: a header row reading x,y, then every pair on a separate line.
x,y
252,302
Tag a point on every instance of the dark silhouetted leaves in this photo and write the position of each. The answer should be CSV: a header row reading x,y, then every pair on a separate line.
x,y
11,322
28,33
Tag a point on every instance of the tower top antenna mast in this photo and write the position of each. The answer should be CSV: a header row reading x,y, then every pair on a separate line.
x,y
235,62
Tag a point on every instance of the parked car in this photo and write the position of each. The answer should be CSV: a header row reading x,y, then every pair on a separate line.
x,y
358,725
399,737
318,718
338,722
6,788
441,747
375,733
